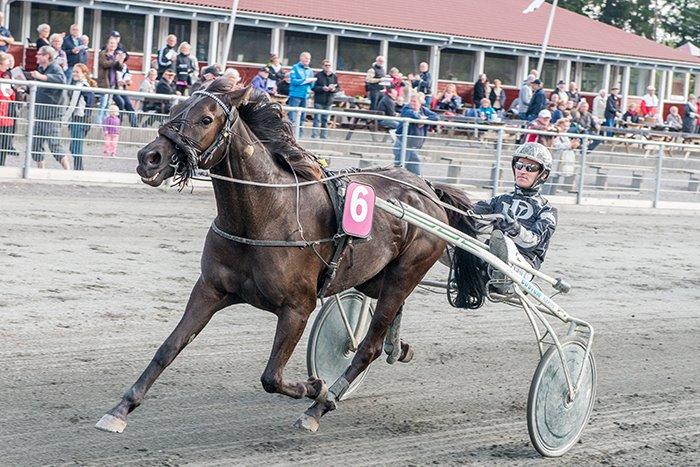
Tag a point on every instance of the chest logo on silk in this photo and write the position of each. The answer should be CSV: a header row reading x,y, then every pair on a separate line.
x,y
519,209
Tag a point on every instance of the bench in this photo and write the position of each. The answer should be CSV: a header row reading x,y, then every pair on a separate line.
x,y
360,123
603,172
454,170
693,178
367,160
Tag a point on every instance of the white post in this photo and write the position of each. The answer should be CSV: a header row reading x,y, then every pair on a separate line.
x,y
384,52
606,77
276,41
479,64
523,67
26,20
330,49
434,68
229,33
663,94
148,43
567,71
96,39
80,17
193,37
686,85
163,26
696,91
550,21
625,87
213,42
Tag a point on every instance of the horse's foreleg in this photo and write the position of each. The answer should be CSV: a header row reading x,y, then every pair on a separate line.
x,y
203,303
290,327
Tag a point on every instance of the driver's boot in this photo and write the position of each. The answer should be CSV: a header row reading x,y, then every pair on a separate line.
x,y
499,248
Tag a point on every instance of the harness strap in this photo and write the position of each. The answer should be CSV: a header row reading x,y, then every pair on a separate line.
x,y
270,243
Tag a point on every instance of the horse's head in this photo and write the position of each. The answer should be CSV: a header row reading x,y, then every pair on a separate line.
x,y
197,135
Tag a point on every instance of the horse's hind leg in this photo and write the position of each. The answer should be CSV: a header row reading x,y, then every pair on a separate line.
x,y
203,303
395,348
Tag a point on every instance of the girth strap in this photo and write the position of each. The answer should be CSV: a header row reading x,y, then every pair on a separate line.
x,y
272,243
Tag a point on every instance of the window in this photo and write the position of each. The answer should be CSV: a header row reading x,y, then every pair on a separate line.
x,y
202,46
89,24
356,54
407,57
58,17
616,75
549,74
181,28
639,80
503,67
130,27
297,42
15,21
678,85
456,65
250,45
591,77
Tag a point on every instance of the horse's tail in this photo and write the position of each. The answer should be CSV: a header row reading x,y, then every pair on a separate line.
x,y
470,272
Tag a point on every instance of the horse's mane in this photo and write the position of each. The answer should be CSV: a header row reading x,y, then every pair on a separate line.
x,y
268,123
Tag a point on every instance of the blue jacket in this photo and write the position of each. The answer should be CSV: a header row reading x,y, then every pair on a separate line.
x,y
416,131
259,83
70,43
297,87
537,103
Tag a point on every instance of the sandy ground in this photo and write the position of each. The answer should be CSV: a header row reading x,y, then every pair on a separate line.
x,y
93,279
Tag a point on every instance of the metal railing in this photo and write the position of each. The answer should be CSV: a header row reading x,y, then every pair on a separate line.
x,y
475,157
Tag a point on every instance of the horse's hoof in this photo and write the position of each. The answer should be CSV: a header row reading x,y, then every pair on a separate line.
x,y
306,422
111,424
407,355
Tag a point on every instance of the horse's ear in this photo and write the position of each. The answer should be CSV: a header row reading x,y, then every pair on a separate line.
x,y
241,96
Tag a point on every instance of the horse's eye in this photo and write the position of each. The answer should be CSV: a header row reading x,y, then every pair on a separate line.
x,y
207,120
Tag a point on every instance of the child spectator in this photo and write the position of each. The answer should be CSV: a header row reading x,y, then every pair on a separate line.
x,y
110,128
485,111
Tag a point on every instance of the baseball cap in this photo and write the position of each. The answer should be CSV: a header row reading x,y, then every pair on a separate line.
x,y
544,113
114,34
537,82
211,70
561,81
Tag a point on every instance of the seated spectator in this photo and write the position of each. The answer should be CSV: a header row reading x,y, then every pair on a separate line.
x,y
124,102
166,85
650,103
398,81
56,41
167,55
283,86
186,68
275,73
207,75
148,86
449,100
74,49
632,115
586,123
563,147
497,97
387,105
44,31
555,112
560,92
485,111
674,121
260,80
6,39
574,95
541,123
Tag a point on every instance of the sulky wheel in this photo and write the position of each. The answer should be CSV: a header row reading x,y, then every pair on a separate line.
x,y
554,422
329,351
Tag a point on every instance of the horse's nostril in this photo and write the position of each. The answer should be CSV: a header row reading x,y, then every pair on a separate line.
x,y
154,158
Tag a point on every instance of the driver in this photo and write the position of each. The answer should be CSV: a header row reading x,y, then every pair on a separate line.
x,y
528,219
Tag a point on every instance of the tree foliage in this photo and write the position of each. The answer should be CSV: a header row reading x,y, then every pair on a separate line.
x,y
672,22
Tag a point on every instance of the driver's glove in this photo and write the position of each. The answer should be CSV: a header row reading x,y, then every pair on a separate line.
x,y
508,225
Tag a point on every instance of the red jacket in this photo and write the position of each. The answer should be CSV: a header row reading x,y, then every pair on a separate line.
x,y
5,100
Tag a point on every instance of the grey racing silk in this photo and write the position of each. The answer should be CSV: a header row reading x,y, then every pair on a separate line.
x,y
537,217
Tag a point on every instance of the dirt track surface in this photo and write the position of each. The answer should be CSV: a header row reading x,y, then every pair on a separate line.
x,y
94,278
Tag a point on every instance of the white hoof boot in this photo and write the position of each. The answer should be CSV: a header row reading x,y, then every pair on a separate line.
x,y
111,424
305,422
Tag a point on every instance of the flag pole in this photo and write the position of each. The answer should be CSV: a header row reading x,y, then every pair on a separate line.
x,y
540,63
229,33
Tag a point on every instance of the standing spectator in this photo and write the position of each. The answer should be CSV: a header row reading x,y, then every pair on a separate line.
x,y
574,95
524,96
690,114
387,105
397,81
44,30
74,49
56,41
538,102
497,97
325,87
124,102
120,45
612,108
416,133
541,123
650,103
13,110
283,86
110,129
275,73
6,39
77,116
109,62
207,74
480,89
186,66
260,80
423,82
167,55
674,122
7,98
632,115
560,91
47,109
302,78
373,78
599,103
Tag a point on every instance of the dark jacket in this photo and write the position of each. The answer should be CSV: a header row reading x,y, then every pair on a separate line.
x,y
55,75
537,217
184,67
379,72
283,88
164,63
479,92
537,103
416,131
612,106
70,43
387,106
275,76
423,83
322,97
163,87
689,117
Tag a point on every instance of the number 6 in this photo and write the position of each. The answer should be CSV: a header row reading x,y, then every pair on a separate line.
x,y
358,205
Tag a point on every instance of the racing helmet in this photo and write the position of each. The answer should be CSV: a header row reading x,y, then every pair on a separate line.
x,y
538,153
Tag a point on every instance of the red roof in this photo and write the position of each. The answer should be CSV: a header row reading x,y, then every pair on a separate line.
x,y
494,20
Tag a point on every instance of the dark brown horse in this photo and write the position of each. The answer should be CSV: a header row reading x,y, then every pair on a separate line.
x,y
239,134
